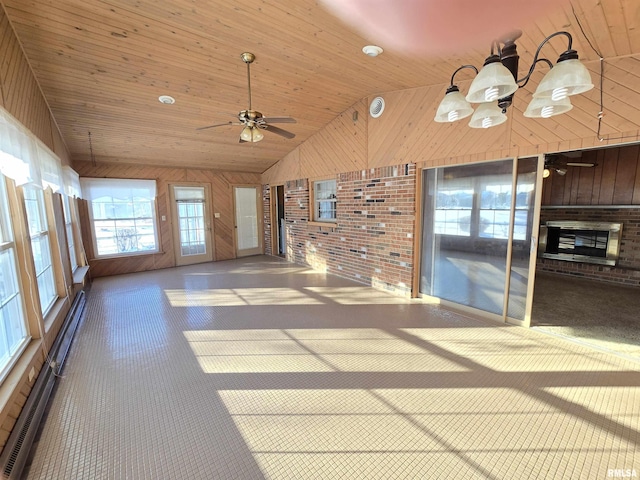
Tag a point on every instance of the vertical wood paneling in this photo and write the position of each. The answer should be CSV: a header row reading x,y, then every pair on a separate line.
x,y
625,175
610,166
613,181
597,177
585,186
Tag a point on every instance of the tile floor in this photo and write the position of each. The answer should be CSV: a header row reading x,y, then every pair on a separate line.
x,y
604,315
258,368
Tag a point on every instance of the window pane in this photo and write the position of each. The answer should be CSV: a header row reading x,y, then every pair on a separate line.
x,y
13,328
465,246
124,224
325,200
40,246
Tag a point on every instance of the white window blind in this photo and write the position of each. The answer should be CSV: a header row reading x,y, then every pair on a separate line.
x,y
24,158
71,182
123,215
117,188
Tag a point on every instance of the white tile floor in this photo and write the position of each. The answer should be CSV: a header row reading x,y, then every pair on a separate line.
x,y
258,368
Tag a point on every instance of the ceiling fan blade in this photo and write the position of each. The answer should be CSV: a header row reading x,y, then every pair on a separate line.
x,y
218,125
279,131
581,164
279,120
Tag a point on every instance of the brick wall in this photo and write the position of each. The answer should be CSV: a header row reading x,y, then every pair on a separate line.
x,y
627,271
372,240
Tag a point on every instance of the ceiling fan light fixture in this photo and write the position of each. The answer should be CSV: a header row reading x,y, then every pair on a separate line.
x,y
547,107
568,77
487,115
453,106
494,81
251,134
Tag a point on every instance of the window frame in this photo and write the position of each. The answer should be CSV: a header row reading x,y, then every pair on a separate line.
x,y
70,231
130,200
8,243
314,202
39,235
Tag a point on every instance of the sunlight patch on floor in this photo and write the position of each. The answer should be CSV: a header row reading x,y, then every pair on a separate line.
x,y
238,297
313,350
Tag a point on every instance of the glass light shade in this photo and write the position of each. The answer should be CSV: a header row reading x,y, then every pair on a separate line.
x,y
547,107
545,173
494,81
487,115
568,77
453,107
251,134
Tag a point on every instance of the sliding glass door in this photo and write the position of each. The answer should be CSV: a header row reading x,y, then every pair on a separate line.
x,y
478,230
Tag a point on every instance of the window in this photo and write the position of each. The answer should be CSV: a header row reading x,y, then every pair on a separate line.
x,y
123,215
40,245
13,330
324,201
453,210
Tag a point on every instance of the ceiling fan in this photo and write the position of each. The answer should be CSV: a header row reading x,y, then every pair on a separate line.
x,y
559,163
252,120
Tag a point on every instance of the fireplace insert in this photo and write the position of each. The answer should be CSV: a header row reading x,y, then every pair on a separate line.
x,y
587,242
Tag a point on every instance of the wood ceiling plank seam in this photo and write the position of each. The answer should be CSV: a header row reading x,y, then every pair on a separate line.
x,y
403,76
600,36
570,24
617,110
625,72
569,125
537,133
631,9
98,51
335,54
48,57
617,27
553,48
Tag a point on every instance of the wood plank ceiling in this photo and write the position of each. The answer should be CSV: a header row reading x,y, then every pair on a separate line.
x,y
102,64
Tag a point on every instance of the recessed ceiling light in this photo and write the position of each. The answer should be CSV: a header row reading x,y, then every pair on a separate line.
x,y
372,50
166,99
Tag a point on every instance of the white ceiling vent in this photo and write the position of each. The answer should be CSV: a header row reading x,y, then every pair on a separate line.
x,y
377,107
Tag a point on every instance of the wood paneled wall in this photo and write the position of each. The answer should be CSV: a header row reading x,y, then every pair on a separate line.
x,y
222,197
20,95
339,147
406,132
615,180
20,92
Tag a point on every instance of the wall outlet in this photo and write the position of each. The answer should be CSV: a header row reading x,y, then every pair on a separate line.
x,y
164,218
32,373
216,215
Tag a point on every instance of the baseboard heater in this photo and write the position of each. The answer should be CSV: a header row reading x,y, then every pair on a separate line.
x,y
16,451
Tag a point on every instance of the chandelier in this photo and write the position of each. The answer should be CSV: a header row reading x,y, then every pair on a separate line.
x,y
494,85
